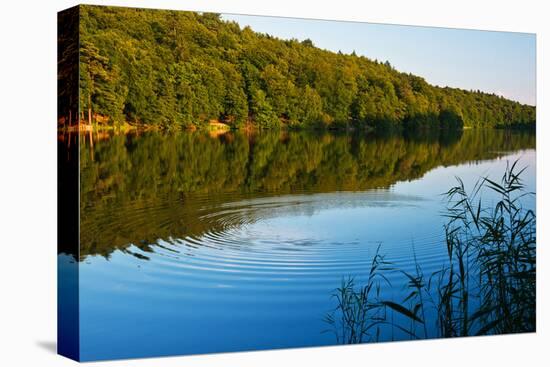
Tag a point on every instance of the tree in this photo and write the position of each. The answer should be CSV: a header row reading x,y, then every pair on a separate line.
x,y
176,69
262,112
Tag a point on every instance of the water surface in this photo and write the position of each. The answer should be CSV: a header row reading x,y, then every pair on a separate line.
x,y
198,243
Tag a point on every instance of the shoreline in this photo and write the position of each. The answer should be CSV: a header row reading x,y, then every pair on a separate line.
x,y
217,128
220,129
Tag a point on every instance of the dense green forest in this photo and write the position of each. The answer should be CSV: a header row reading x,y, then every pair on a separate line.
x,y
135,190
176,69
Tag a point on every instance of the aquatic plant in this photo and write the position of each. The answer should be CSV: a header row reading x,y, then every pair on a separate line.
x,y
487,286
494,248
359,314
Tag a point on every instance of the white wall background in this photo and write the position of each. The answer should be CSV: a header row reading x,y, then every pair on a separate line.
x,y
28,182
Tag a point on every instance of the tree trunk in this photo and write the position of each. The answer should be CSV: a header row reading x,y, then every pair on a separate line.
x,y
89,110
90,123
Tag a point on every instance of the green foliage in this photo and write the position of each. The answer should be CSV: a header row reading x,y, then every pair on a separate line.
x,y
262,113
67,66
177,69
99,83
310,108
450,118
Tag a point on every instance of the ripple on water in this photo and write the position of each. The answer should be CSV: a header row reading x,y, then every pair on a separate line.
x,y
245,246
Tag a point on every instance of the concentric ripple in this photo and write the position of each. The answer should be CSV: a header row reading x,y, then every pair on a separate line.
x,y
281,243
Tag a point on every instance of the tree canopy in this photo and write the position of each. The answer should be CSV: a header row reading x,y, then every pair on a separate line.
x,y
177,69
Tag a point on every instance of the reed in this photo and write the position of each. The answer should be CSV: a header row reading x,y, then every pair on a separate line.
x,y
494,248
359,314
487,286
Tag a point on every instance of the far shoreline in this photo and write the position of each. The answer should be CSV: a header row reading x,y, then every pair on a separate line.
x,y
219,128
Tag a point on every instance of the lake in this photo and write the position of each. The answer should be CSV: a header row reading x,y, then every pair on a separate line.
x,y
198,242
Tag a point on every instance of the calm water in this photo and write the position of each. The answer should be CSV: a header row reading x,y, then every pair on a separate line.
x,y
192,243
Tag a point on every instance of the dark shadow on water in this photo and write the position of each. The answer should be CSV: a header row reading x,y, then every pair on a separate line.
x,y
48,345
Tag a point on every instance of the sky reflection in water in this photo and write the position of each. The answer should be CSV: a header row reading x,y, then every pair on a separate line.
x,y
177,263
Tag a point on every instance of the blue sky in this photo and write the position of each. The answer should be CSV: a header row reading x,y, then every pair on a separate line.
x,y
503,63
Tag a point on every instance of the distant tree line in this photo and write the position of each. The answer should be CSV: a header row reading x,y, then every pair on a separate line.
x,y
175,69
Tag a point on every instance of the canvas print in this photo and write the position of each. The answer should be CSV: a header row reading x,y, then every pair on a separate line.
x,y
235,183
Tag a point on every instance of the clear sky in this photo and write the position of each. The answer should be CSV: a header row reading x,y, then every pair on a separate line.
x,y
503,63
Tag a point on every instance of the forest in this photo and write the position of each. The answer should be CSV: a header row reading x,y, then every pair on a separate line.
x,y
178,70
